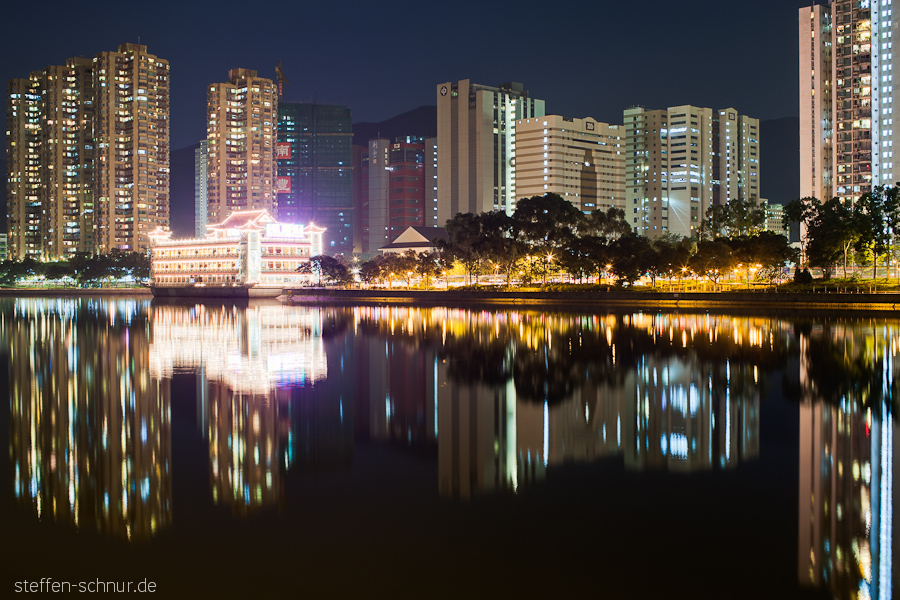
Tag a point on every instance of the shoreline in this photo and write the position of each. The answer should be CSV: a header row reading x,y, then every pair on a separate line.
x,y
872,302
881,302
51,292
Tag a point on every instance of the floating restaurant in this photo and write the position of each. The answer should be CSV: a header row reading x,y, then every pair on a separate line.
x,y
248,250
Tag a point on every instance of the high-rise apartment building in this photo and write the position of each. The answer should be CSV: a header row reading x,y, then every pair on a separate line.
x,y
682,160
315,170
201,184
240,134
88,153
131,139
477,146
396,191
846,98
582,160
50,161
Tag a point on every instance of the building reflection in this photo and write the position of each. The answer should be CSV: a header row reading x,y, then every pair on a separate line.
x,y
847,451
251,350
248,437
509,394
90,439
250,363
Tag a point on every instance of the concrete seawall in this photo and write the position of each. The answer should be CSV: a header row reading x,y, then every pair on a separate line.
x,y
618,299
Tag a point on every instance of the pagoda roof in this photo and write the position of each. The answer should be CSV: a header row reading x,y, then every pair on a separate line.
x,y
245,219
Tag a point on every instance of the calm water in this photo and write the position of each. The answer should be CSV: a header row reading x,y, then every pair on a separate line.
x,y
369,451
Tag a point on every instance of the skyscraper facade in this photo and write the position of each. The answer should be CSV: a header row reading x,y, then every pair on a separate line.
x,y
131,139
240,134
582,160
315,170
88,154
396,190
682,160
201,184
846,98
477,145
50,161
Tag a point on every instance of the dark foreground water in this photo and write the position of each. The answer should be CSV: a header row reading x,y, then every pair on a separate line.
x,y
272,451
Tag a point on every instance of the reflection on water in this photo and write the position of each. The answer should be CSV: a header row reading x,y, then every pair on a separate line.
x,y
90,438
496,398
846,495
249,350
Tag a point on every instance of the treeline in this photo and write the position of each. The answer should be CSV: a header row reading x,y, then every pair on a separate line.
x,y
547,236
837,234
83,268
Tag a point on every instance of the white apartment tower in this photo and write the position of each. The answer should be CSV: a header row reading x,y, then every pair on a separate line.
x,y
582,160
240,134
846,98
682,160
817,160
477,146
201,181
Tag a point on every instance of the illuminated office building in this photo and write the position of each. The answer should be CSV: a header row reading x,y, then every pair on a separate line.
x,y
240,134
315,170
90,438
396,189
581,160
477,146
682,160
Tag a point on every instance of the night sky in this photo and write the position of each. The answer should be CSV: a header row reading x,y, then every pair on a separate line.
x,y
384,58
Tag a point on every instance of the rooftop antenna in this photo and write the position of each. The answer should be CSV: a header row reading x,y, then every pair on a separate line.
x,y
281,79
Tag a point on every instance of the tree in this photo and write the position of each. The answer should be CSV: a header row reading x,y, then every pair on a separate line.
x,y
406,265
608,226
631,256
58,270
831,234
426,266
802,212
464,243
766,254
327,268
673,253
739,217
871,215
547,222
501,242
713,259
371,270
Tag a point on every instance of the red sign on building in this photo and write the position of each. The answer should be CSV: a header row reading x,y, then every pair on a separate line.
x,y
282,150
283,185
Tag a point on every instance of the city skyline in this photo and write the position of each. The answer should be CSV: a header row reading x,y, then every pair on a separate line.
x,y
341,73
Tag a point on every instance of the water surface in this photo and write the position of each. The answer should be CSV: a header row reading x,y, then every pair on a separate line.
x,y
268,449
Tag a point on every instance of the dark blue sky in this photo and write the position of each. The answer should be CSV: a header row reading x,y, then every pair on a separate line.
x,y
384,58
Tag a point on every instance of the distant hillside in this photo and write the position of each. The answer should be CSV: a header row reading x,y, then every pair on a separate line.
x,y
181,191
420,121
779,156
